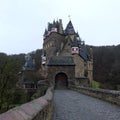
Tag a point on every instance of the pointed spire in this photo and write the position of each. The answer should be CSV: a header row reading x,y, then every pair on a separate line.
x,y
69,29
54,24
78,38
49,26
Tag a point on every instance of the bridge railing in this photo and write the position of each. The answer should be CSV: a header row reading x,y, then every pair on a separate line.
x,y
107,95
38,109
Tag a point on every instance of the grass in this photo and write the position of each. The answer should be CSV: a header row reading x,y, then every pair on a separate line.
x,y
95,84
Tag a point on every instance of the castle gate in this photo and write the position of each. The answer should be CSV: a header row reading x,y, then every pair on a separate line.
x,y
61,81
61,71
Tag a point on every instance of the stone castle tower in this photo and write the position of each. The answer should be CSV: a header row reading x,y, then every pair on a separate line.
x,y
66,58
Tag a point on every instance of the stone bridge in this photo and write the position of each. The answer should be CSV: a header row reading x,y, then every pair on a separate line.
x,y
69,104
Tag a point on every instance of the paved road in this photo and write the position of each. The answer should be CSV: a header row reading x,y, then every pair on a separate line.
x,y
70,105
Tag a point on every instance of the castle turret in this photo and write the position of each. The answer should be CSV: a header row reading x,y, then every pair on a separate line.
x,y
29,64
54,27
69,29
60,26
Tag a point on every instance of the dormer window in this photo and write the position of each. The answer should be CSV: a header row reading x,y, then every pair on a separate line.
x,y
75,50
54,30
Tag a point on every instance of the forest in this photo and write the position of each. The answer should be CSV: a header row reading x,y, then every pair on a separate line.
x,y
106,68
106,71
10,66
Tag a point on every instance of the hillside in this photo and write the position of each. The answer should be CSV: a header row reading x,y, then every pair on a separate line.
x,y
106,61
107,64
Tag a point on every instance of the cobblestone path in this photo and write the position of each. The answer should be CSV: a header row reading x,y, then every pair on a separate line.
x,y
70,105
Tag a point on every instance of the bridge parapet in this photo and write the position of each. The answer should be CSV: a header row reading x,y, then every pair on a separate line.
x,y
38,109
107,95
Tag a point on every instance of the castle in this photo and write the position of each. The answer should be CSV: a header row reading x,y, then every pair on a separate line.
x,y
66,58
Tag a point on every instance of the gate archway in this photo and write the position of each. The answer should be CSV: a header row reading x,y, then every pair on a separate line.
x,y
61,81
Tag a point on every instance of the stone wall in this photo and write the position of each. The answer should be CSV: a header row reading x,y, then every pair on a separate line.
x,y
107,95
68,70
82,82
66,47
38,109
90,71
52,44
79,66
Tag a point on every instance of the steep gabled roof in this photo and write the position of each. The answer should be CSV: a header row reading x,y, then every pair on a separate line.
x,y
69,29
61,60
84,53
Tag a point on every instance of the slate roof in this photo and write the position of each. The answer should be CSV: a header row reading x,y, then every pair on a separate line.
x,y
75,42
84,53
61,60
78,38
69,29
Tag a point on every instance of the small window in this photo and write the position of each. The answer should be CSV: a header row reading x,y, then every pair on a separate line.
x,y
77,49
72,49
68,44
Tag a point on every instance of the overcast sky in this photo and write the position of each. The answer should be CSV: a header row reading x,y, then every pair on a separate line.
x,y
22,22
